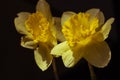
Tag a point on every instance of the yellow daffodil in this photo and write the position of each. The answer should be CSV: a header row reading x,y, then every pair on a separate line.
x,y
85,35
39,33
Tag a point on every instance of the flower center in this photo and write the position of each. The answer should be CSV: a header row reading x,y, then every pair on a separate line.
x,y
38,26
80,28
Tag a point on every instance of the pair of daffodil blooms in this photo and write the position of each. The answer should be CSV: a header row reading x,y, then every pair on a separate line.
x,y
80,35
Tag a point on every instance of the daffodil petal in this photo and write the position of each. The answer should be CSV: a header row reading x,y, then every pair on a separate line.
x,y
98,54
59,34
20,22
101,18
93,12
43,7
43,58
68,59
97,13
28,43
107,27
66,16
72,56
59,49
64,50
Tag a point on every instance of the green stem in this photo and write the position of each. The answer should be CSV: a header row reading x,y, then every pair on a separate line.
x,y
92,73
55,70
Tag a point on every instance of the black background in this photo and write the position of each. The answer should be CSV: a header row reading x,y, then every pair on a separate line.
x,y
18,62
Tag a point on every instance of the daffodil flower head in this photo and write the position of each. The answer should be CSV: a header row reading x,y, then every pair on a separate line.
x,y
39,33
85,35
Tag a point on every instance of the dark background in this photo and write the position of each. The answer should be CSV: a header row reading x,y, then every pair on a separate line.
x,y
18,62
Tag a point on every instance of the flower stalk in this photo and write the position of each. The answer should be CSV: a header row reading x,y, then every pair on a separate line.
x,y
92,73
55,70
